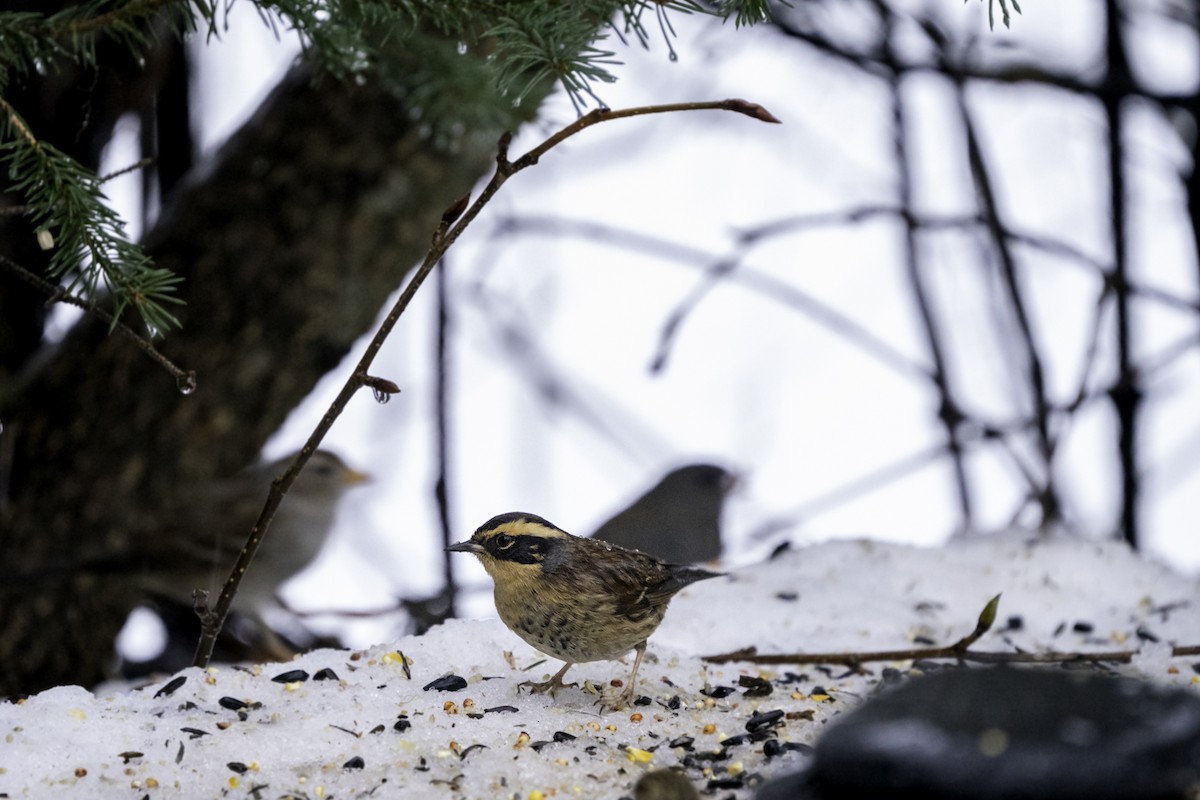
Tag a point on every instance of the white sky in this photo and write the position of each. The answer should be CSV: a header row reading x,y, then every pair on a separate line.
x,y
750,382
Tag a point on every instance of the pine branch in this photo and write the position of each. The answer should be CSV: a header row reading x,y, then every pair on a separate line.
x,y
532,43
184,379
1006,17
31,41
90,249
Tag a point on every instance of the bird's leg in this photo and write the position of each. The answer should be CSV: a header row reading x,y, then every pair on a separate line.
x,y
552,685
625,698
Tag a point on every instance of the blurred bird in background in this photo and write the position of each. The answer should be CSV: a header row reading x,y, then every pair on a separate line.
x,y
679,519
196,549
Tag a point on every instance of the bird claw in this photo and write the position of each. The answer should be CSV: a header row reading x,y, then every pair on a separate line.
x,y
551,686
622,700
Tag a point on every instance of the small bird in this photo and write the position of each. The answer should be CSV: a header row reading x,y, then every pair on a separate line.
x,y
679,519
195,546
198,548
576,599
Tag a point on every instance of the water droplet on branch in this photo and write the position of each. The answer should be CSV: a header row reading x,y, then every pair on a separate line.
x,y
186,382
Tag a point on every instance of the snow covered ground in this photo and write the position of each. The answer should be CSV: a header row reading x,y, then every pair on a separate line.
x,y
347,723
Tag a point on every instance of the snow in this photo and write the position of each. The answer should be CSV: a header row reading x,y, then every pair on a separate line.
x,y
299,738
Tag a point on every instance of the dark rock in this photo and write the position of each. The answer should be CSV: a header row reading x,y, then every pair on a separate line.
x,y
1009,734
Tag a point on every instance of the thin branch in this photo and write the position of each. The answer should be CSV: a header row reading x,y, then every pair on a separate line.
x,y
604,114
960,651
1126,395
141,163
558,388
185,379
441,410
1010,73
1051,506
1191,184
716,272
767,286
973,433
948,412
454,222
1069,252
722,268
851,490
1091,355
750,655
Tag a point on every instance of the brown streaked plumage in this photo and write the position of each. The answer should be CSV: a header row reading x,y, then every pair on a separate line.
x,y
574,598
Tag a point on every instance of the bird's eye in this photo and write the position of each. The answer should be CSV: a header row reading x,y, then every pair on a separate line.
x,y
504,541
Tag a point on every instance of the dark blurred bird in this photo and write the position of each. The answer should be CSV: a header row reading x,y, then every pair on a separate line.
x,y
679,520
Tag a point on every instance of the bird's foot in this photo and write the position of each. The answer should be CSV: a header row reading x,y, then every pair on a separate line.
x,y
551,686
542,687
623,700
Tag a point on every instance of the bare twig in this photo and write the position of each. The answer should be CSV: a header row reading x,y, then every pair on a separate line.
x,y
767,286
56,294
1047,496
141,163
1111,89
853,489
949,413
960,650
973,433
454,221
441,410
559,387
1010,72
1126,395
750,655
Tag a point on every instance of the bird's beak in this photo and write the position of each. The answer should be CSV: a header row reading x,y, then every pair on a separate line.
x,y
353,477
465,547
